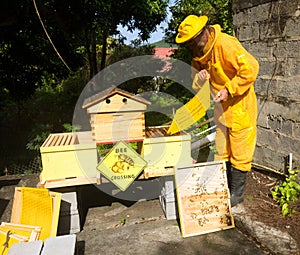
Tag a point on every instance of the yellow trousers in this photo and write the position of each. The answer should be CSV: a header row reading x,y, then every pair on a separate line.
x,y
236,146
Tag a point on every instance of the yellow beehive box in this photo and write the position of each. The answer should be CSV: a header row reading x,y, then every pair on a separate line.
x,y
68,155
116,115
163,152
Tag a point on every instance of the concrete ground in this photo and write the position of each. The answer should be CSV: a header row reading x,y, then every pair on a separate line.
x,y
143,229
115,226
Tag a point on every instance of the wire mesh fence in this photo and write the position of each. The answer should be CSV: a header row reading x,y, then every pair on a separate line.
x,y
29,166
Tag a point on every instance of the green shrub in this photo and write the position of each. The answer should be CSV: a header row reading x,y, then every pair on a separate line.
x,y
287,193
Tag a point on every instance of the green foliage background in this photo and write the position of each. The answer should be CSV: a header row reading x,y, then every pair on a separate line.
x,y
38,93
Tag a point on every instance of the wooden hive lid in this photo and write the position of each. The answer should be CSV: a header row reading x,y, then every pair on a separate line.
x,y
103,95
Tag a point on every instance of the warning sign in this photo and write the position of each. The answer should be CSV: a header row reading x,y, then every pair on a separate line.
x,y
122,165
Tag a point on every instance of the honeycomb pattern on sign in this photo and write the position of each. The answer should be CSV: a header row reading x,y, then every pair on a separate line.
x,y
37,210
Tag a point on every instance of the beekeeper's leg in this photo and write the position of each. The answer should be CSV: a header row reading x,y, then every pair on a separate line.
x,y
242,149
223,149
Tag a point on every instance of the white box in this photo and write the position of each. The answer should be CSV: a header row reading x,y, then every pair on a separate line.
x,y
167,198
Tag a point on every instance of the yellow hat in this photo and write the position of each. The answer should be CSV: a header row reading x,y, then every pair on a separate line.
x,y
190,27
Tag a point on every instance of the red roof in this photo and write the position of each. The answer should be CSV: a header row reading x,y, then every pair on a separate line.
x,y
163,52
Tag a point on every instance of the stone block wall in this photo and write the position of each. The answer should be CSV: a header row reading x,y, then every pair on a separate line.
x,y
270,30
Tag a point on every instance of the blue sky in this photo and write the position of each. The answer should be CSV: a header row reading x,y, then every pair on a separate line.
x,y
156,36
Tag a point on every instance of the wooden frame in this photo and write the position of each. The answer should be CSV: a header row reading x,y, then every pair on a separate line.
x,y
17,237
17,208
33,230
7,239
203,198
11,234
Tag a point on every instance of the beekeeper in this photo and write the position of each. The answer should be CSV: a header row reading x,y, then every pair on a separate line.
x,y
231,71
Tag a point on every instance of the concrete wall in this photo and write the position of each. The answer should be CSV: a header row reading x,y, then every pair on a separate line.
x,y
270,30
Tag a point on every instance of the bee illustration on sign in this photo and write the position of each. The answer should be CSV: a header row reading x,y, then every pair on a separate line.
x,y
127,159
120,165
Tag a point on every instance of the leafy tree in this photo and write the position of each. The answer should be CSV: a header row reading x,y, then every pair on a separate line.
x,y
218,12
37,91
139,84
99,20
26,54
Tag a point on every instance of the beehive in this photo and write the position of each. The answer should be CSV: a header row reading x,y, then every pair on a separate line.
x,y
68,155
116,115
164,152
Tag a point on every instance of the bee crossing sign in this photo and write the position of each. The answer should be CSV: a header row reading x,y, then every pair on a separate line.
x,y
122,165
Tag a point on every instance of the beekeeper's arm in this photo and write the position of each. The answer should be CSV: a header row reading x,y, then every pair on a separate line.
x,y
246,67
199,77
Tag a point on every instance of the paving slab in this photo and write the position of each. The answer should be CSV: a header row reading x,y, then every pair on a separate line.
x,y
26,248
143,229
60,245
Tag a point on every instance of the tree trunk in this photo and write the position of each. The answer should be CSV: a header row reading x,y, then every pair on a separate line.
x,y
94,66
88,52
103,52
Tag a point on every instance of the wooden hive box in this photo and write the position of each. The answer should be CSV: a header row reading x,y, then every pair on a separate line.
x,y
163,152
68,155
116,115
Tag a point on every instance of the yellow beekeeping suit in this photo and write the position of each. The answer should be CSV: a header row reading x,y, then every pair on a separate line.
x,y
232,67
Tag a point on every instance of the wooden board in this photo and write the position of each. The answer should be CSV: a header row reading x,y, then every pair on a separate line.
x,y
114,127
66,182
150,172
203,198
33,232
99,179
